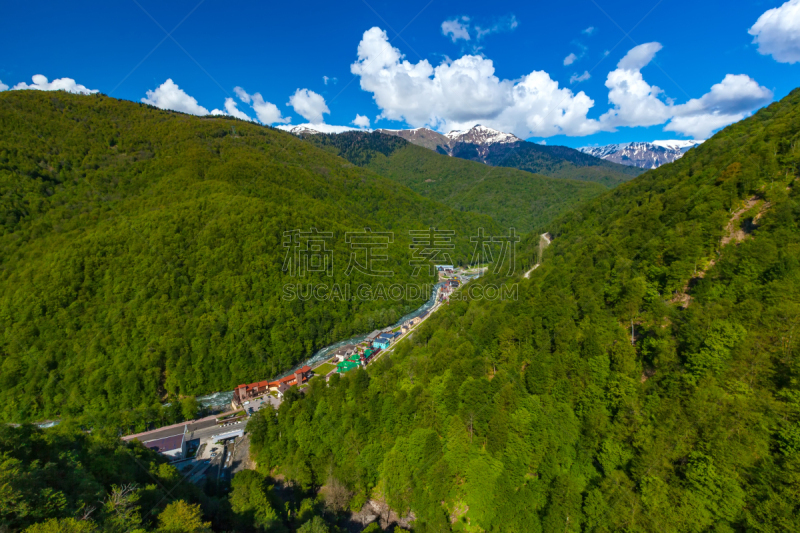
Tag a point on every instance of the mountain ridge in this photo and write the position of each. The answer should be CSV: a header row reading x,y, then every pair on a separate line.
x,y
512,197
496,148
646,155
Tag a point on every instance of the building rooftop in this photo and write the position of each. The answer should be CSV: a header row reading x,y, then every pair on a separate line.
x,y
167,444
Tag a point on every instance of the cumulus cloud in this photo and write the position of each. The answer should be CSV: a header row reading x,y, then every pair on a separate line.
x,y
309,105
3,86
570,59
734,98
589,31
361,121
169,96
577,78
40,83
267,112
456,29
457,94
777,32
232,110
327,80
637,103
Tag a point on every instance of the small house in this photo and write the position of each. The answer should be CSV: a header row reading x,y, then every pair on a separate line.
x,y
381,342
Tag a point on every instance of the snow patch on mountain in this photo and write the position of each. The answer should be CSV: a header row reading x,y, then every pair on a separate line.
x,y
642,154
316,128
482,135
682,145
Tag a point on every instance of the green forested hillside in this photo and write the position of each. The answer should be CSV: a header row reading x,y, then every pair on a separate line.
x,y
646,378
513,198
64,480
143,253
555,161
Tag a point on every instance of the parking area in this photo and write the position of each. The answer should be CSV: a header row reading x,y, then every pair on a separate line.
x,y
254,405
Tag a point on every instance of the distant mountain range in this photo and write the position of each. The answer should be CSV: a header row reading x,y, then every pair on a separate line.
x,y
499,149
645,155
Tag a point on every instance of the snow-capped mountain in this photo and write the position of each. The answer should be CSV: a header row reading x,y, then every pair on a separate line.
x,y
302,129
681,145
477,140
642,154
310,128
482,135
496,148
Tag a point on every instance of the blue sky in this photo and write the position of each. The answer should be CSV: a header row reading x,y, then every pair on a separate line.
x,y
275,49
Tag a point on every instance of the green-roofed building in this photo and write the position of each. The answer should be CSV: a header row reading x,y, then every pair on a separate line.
x,y
346,366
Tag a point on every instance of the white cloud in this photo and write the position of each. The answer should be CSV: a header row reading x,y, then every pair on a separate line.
x,y
361,121
40,83
637,103
639,56
309,105
169,96
462,28
457,94
3,86
267,112
232,110
589,31
728,101
456,29
320,127
242,94
577,78
507,23
327,80
777,32
570,59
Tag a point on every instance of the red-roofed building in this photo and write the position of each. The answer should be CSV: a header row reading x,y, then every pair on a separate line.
x,y
243,393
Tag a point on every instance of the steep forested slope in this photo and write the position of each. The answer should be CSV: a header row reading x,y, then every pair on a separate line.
x,y
513,198
646,378
144,252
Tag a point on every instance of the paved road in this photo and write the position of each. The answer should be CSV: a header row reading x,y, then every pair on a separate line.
x,y
194,430
209,431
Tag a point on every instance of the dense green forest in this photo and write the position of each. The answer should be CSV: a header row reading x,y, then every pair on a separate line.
x,y
645,379
63,480
512,197
144,254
